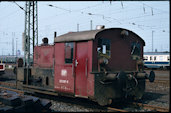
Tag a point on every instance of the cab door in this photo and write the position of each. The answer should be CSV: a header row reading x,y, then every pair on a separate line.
x,y
81,69
64,67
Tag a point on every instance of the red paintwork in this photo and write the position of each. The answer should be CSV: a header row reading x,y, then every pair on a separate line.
x,y
62,83
76,81
1,66
44,56
72,79
81,77
90,79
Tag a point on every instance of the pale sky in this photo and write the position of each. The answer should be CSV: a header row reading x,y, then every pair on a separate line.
x,y
141,17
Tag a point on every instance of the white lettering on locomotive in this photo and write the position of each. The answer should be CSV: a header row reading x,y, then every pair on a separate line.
x,y
63,72
62,87
63,81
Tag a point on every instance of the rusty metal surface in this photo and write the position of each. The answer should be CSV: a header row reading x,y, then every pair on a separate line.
x,y
10,89
44,56
9,84
110,109
151,107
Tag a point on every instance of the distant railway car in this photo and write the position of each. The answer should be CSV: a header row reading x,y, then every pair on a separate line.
x,y
2,68
103,65
157,60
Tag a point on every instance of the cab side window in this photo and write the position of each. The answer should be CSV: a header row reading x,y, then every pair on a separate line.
x,y
104,48
69,52
135,49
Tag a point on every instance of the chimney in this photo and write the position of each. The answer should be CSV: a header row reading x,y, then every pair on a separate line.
x,y
54,34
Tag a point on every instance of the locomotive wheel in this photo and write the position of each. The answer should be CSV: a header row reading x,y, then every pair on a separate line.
x,y
104,101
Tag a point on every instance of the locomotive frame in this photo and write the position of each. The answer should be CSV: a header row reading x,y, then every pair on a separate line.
x,y
103,65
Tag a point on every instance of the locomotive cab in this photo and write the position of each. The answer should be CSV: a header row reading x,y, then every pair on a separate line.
x,y
120,65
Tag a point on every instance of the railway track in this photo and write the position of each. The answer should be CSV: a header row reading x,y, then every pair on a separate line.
x,y
12,87
111,109
151,107
8,84
132,107
14,90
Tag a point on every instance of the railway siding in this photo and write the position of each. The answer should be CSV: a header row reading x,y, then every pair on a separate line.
x,y
153,96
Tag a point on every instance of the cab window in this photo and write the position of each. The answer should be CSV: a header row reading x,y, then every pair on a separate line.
x,y
69,52
104,48
135,49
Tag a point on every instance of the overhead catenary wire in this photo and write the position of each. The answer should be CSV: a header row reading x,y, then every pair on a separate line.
x,y
19,6
70,11
153,7
10,14
104,18
59,7
97,15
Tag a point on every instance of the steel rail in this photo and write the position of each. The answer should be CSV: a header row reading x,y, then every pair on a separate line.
x,y
10,89
8,84
140,105
152,107
116,109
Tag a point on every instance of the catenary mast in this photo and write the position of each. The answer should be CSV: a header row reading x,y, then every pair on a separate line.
x,y
30,32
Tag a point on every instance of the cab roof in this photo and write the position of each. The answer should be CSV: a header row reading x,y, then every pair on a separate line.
x,y
85,35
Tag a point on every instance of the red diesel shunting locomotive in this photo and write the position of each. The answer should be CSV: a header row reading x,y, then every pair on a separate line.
x,y
103,65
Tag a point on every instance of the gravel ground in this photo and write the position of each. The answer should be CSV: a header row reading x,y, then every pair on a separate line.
x,y
158,93
9,75
68,107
